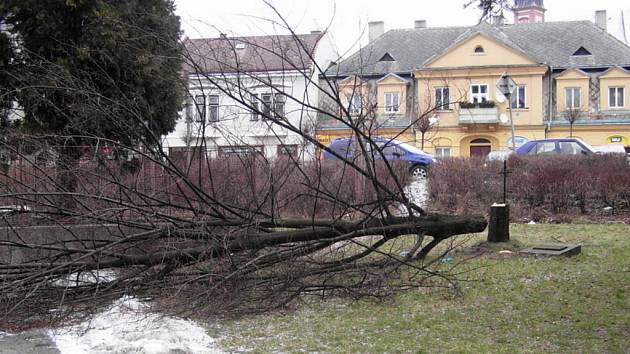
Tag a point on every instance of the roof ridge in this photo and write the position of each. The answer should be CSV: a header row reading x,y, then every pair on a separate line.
x,y
262,36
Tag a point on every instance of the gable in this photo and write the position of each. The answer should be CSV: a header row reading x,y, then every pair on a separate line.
x,y
479,50
351,80
391,79
571,74
615,73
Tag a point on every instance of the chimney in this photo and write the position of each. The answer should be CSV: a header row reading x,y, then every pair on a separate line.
x,y
420,24
375,29
601,19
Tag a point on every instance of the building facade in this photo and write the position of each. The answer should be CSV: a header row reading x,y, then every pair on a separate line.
x,y
250,95
437,87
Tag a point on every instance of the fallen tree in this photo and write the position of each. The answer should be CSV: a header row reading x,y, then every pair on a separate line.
x,y
202,233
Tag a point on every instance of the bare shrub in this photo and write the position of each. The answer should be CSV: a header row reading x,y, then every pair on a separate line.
x,y
538,188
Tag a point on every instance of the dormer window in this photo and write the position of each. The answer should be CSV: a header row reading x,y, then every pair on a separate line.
x,y
387,57
240,45
479,50
581,52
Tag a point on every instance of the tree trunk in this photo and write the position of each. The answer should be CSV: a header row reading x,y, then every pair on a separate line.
x,y
67,178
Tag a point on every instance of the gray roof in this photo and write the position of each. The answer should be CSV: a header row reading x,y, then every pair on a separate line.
x,y
548,43
251,54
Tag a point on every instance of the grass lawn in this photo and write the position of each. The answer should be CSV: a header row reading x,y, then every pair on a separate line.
x,y
511,304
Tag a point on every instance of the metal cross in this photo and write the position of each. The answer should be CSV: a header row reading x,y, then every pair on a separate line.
x,y
505,172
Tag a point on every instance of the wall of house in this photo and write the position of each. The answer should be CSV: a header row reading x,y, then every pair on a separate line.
x,y
235,126
465,55
391,83
572,78
614,78
459,82
594,134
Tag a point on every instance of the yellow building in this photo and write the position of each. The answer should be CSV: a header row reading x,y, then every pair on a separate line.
x,y
443,81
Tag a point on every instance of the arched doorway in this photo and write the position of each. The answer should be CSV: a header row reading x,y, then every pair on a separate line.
x,y
480,147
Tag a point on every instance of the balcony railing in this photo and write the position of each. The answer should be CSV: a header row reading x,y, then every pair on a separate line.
x,y
486,113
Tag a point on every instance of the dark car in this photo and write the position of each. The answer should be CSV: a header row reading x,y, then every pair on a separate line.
x,y
393,150
562,146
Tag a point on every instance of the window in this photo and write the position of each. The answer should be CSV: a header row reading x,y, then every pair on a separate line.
x,y
213,105
273,105
581,52
442,152
479,50
353,102
287,151
387,57
200,108
392,102
517,98
266,99
615,97
548,147
572,96
571,148
389,150
479,93
442,99
228,151
278,105
255,107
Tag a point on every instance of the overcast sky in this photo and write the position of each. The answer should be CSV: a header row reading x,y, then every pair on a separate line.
x,y
347,19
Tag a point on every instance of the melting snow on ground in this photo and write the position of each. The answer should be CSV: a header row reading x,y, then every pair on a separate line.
x,y
417,193
127,327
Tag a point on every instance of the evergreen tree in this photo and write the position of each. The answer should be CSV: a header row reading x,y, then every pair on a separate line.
x,y
86,69
101,68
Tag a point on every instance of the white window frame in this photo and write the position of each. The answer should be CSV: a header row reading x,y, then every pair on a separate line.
x,y
213,108
443,151
199,110
479,96
267,103
518,99
442,98
271,105
353,103
571,100
392,102
616,100
255,102
279,104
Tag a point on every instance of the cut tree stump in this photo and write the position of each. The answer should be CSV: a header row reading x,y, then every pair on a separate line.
x,y
499,223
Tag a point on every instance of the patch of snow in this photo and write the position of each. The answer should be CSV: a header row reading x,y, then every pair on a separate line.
x,y
417,193
86,278
127,327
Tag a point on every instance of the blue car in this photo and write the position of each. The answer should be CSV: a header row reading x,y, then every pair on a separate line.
x,y
558,146
393,150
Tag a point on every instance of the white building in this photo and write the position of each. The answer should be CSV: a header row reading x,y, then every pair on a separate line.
x,y
251,94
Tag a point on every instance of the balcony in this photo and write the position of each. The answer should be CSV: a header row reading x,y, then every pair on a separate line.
x,y
478,113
